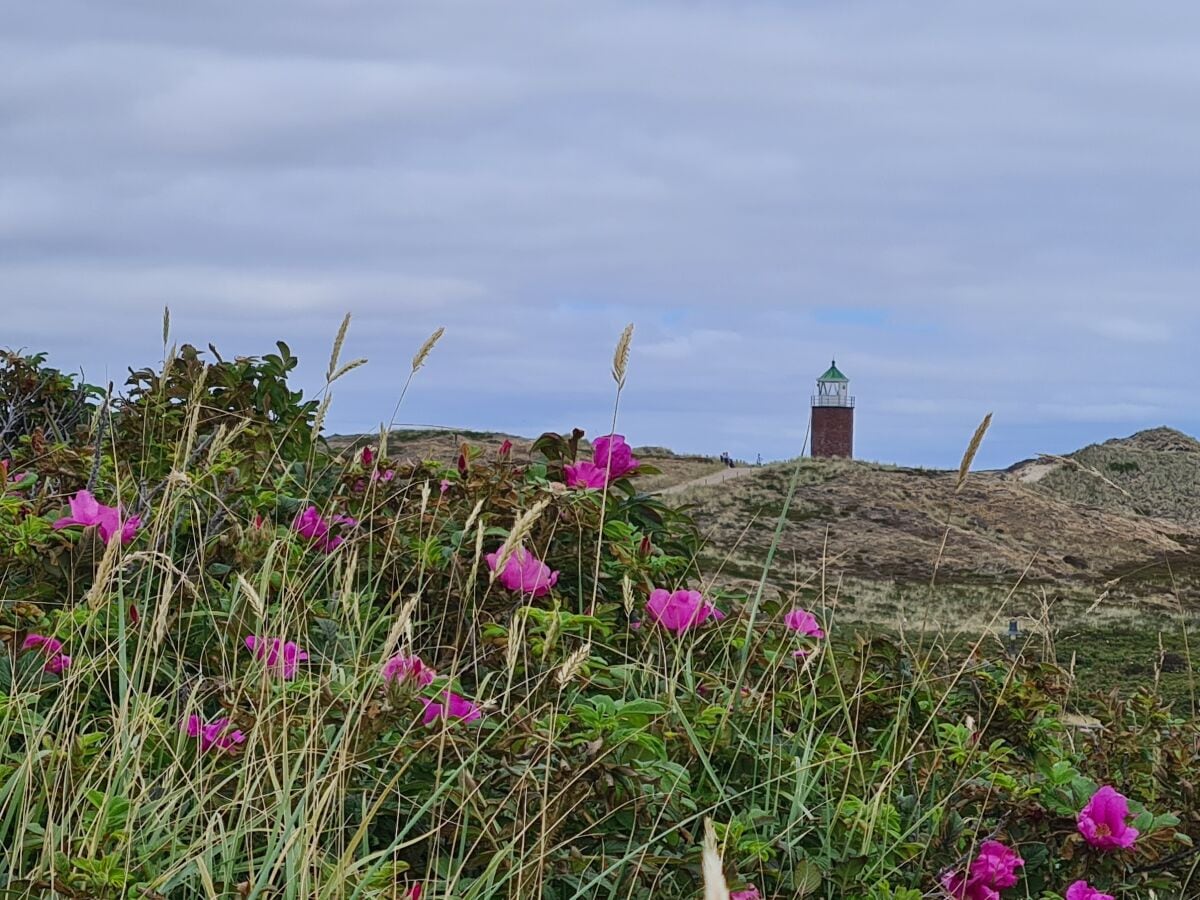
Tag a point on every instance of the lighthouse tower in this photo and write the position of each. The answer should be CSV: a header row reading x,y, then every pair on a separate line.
x,y
833,416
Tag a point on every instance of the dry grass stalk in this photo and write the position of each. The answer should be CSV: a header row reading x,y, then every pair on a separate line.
x,y
337,349
573,664
474,514
401,627
972,448
166,325
319,419
193,404
516,640
715,887
256,602
517,535
168,362
108,563
224,438
348,367
477,556
419,359
621,356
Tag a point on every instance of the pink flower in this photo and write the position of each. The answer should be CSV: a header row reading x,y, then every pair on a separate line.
x,y
680,610
750,893
47,645
56,661
455,707
87,511
524,572
215,734
993,869
285,656
368,457
505,448
804,622
386,475
1102,821
585,475
57,664
1081,890
402,668
414,892
613,455
310,525
444,485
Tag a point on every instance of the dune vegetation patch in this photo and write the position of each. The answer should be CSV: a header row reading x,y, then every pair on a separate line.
x,y
241,661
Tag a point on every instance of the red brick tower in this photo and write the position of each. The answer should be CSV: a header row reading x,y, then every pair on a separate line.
x,y
833,416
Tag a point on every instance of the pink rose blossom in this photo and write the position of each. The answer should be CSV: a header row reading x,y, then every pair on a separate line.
x,y
993,869
750,893
400,669
1102,821
585,475
524,572
56,661
613,455
454,707
311,526
57,664
284,656
680,610
87,511
804,622
215,734
1081,890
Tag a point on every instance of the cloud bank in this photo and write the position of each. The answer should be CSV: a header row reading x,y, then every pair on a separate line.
x,y
972,208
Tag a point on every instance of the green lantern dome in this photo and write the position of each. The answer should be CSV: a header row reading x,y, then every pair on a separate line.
x,y
834,374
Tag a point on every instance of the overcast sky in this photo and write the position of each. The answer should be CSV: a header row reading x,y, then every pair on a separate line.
x,y
972,206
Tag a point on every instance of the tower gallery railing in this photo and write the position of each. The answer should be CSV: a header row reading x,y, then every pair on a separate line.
x,y
846,402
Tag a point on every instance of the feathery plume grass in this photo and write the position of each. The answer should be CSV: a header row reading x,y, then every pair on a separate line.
x,y
348,367
256,602
108,564
516,640
517,535
337,348
573,664
319,418
715,887
621,356
972,448
419,359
